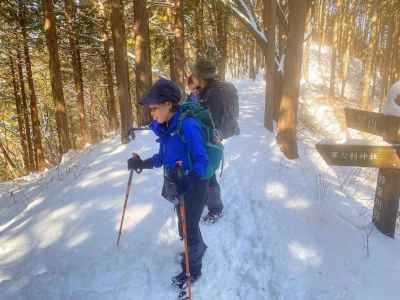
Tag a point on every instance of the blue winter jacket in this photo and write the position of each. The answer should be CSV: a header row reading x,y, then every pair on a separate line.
x,y
173,148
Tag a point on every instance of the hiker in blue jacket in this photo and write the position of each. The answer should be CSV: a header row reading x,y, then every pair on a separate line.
x,y
162,101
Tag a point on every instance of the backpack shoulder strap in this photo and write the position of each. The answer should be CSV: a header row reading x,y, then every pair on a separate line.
x,y
186,110
179,124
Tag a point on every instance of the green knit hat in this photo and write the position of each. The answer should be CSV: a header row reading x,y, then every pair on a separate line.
x,y
204,69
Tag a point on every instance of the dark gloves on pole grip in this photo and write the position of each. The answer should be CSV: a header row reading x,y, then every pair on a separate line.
x,y
184,182
137,164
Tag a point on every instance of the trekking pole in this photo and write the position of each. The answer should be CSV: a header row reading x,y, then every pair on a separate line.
x,y
125,203
185,245
128,188
182,211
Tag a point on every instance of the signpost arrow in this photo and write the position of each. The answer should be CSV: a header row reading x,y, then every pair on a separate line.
x,y
385,157
385,126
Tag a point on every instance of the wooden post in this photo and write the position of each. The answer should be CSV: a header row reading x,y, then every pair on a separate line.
x,y
387,201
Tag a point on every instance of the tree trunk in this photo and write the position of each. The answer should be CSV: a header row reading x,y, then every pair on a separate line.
x,y
269,17
20,119
376,56
142,59
395,70
94,130
199,21
222,29
179,44
334,46
348,42
369,56
387,58
55,76
252,71
27,129
306,58
121,68
259,58
324,26
37,136
321,16
7,157
171,46
70,13
111,103
287,121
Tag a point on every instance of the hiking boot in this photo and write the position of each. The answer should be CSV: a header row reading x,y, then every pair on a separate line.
x,y
211,218
180,281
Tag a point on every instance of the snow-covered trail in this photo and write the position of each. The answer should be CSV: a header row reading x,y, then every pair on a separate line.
x,y
290,230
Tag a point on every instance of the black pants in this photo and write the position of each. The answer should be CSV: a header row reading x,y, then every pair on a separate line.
x,y
195,201
214,202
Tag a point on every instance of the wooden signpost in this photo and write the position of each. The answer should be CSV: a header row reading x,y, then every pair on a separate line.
x,y
386,158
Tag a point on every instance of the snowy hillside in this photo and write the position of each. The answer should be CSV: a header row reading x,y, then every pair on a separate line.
x,y
292,229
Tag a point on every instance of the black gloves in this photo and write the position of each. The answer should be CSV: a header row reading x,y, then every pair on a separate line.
x,y
184,183
177,184
137,164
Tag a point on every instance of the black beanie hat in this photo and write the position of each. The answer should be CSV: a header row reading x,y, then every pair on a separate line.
x,y
204,69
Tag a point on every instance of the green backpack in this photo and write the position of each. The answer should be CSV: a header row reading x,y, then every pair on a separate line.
x,y
213,145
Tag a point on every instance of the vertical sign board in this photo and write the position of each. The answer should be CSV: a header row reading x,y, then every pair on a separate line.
x,y
387,201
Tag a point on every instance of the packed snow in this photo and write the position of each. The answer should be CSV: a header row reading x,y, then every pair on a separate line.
x,y
291,230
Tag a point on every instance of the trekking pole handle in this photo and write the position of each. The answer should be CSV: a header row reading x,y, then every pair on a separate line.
x,y
137,170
